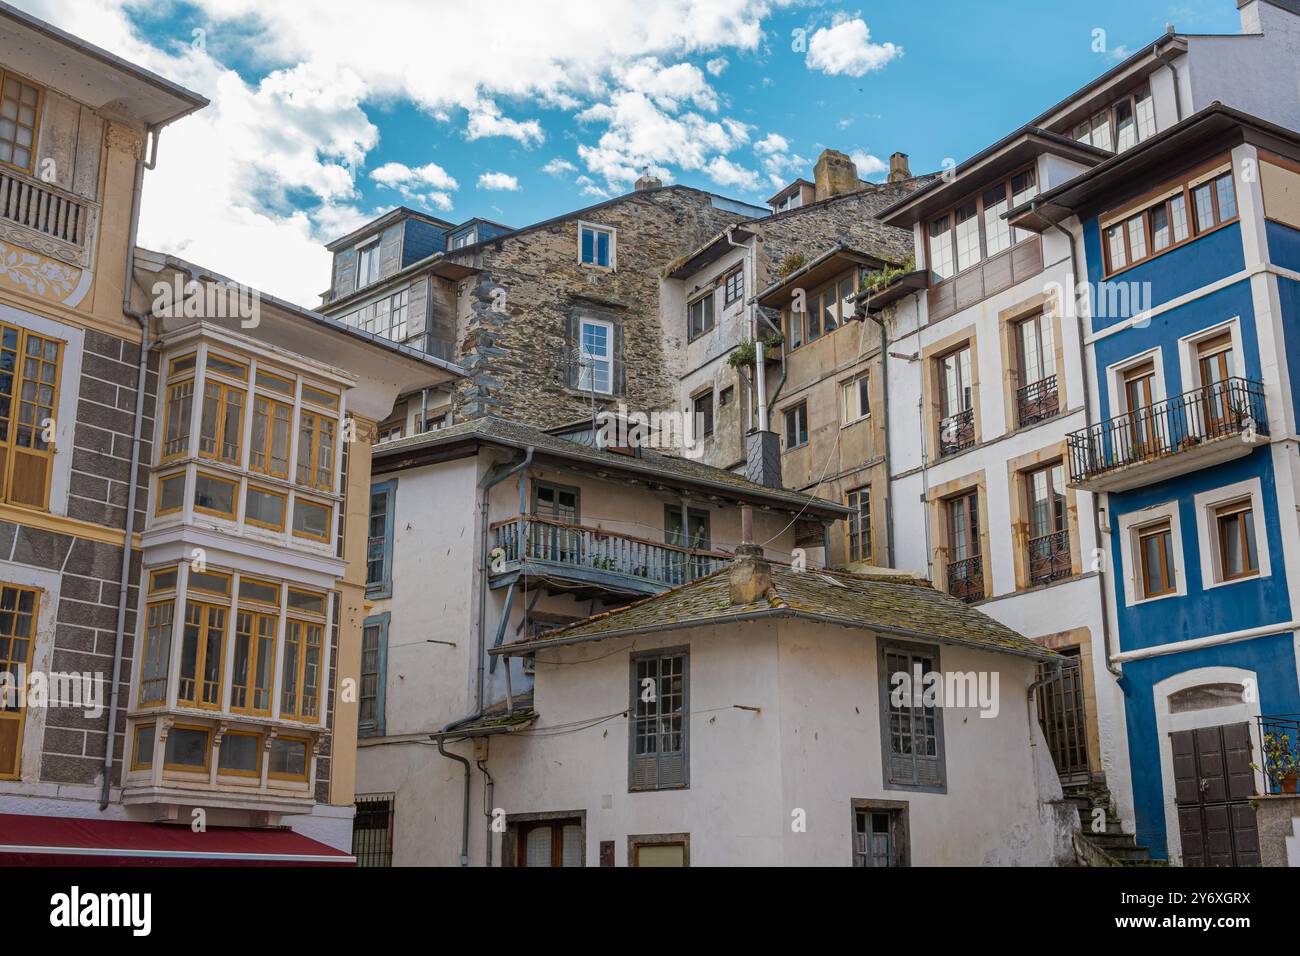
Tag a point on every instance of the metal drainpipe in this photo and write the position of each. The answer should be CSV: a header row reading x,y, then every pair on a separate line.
x,y
751,324
137,427
884,411
1114,668
489,787
1178,94
925,452
487,485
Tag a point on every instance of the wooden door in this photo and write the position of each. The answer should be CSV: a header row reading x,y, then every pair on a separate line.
x,y
1213,784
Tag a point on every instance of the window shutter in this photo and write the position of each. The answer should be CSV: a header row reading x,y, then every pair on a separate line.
x,y
417,306
345,272
671,770
390,248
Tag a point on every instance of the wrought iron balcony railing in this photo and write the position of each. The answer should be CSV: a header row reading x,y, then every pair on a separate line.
x,y
966,579
1037,402
547,541
1049,557
1232,407
1279,737
956,432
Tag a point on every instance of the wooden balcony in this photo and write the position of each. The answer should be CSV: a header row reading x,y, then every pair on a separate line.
x,y
46,219
568,558
1197,429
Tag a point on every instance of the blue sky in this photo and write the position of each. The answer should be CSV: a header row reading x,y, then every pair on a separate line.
x,y
323,116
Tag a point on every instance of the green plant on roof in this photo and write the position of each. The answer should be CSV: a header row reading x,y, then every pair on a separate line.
x,y
791,264
872,281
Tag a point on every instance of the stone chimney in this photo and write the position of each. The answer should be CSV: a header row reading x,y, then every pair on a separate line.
x,y
751,575
898,168
646,181
834,175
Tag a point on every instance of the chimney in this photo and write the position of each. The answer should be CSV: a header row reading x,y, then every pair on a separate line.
x,y
751,575
834,175
898,168
646,181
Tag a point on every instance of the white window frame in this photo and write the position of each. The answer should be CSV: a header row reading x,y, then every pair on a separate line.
x,y
1130,525
587,373
613,246
848,388
370,247
1188,344
1207,528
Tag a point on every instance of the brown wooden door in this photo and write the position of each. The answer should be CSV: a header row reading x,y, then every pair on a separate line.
x,y
1213,784
1139,394
1215,361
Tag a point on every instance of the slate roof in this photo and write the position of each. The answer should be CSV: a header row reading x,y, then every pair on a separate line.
x,y
889,604
669,469
496,719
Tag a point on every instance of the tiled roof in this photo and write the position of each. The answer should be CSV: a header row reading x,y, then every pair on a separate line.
x,y
891,604
669,469
497,719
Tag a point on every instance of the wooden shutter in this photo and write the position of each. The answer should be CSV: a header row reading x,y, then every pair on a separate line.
x,y
417,307
572,339
659,771
345,272
390,251
618,379
917,768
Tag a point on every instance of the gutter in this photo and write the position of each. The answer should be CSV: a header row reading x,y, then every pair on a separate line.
x,y
137,427
487,484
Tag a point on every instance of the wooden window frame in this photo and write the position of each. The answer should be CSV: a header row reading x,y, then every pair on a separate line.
x,y
899,831
234,498
1163,529
375,727
257,614
306,763
38,498
266,447
709,412
300,639
813,305
19,714
1243,510
1164,196
638,840
135,745
284,507
312,502
256,772
855,531
659,655
179,409
224,393
950,214
5,77
329,402
166,638
733,286
207,750
1131,98
383,586
159,510
238,376
911,651
310,455
201,653
851,386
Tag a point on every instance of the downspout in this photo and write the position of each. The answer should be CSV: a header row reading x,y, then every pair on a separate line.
x,y
884,411
925,448
487,485
751,323
489,787
1111,666
1178,95
137,427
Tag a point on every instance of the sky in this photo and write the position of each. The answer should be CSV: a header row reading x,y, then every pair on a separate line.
x,y
327,113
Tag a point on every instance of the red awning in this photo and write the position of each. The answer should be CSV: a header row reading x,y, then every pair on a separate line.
x,y
73,841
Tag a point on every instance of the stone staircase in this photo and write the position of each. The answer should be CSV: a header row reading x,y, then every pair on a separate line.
x,y
1112,846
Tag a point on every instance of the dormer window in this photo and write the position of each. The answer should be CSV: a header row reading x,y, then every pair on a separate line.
x,y
367,263
463,240
1121,125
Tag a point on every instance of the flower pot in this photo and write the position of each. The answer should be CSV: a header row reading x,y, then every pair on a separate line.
x,y
1289,783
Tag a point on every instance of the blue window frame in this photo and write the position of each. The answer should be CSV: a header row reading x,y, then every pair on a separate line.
x,y
374,671
379,545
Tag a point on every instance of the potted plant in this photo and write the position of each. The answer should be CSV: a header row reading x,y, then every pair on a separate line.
x,y
1280,760
742,356
772,344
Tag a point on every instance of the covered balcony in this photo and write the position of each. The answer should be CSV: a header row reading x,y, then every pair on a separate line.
x,y
569,558
47,219
1197,429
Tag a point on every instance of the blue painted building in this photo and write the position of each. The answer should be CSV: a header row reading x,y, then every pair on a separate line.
x,y
1191,327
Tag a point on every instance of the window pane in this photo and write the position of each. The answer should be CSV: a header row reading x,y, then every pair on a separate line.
x,y
996,231
1146,114
941,248
1161,237
1227,197
1178,214
239,753
1137,238
968,236
1115,244
1125,126
1204,202
187,748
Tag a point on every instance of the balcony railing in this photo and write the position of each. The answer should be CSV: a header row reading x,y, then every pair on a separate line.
x,y
1037,402
966,579
956,432
1279,736
58,223
602,554
1232,407
1049,557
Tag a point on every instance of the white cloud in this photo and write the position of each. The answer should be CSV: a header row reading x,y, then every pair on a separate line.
x,y
590,188
779,164
726,173
867,164
500,181
431,174
254,185
559,167
846,47
717,65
